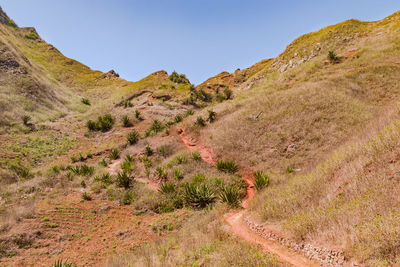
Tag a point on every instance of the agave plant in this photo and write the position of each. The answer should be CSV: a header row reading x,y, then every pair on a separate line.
x,y
133,137
124,180
61,263
167,188
261,180
198,196
114,154
227,166
230,195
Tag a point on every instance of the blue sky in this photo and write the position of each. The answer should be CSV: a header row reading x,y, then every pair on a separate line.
x,y
199,38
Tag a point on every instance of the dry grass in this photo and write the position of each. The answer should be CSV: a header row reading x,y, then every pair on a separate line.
x,y
200,242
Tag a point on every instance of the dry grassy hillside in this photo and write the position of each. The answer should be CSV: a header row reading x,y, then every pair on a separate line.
x,y
101,170
307,120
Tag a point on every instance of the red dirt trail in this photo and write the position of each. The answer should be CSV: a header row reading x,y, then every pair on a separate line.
x,y
235,219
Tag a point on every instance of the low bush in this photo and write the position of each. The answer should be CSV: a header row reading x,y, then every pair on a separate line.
x,y
167,188
32,36
105,179
157,126
61,263
200,121
148,151
138,115
104,123
26,120
85,101
86,196
178,78
124,180
127,104
114,154
212,115
181,159
126,122
228,93
188,113
196,156
127,166
127,198
333,58
161,173
198,195
261,180
227,166
178,175
82,170
133,137
230,195
178,118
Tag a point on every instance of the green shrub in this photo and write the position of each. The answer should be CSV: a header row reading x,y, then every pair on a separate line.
x,y
81,157
61,263
181,159
89,155
227,166
204,96
157,126
198,178
133,137
127,166
83,170
161,173
86,196
290,170
200,121
126,122
91,125
228,93
230,195
137,115
104,123
103,162
105,179
146,161
124,180
164,151
189,113
333,58
220,97
114,154
32,36
129,158
148,151
178,174
127,104
198,195
167,188
165,207
196,156
26,120
212,115
127,198
85,101
178,78
178,118
261,180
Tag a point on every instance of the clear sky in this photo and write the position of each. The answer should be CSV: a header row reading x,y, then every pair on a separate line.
x,y
199,38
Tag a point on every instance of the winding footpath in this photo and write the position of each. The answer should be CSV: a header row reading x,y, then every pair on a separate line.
x,y
236,219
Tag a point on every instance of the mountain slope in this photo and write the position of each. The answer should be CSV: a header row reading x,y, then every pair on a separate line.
x,y
306,110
